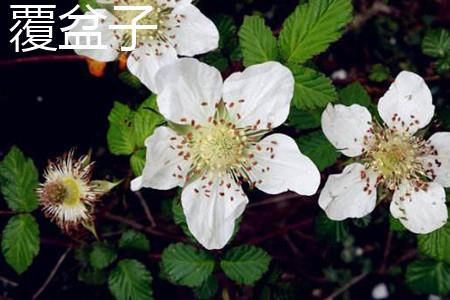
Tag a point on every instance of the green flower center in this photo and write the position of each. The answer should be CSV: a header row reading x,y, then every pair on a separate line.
x,y
65,191
396,156
218,147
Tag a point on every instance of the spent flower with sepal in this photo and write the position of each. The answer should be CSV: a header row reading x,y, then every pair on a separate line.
x,y
68,194
217,139
391,158
181,30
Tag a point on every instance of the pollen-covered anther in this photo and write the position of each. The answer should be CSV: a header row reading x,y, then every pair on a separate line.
x,y
159,16
396,156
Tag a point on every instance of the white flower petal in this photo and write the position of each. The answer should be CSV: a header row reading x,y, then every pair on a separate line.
x,y
188,90
280,166
165,166
110,38
439,163
173,3
418,210
260,96
146,60
408,104
211,206
196,34
351,194
346,126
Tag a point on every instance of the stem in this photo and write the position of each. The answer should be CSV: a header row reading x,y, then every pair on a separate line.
x,y
348,285
42,59
52,274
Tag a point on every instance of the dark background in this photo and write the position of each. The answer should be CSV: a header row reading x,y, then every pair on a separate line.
x,y
46,108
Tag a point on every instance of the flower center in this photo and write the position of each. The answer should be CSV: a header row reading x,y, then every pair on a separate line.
x,y
396,156
158,16
218,147
65,191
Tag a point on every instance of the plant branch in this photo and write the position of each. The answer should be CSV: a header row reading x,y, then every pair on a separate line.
x,y
143,228
346,286
147,211
42,59
282,231
52,273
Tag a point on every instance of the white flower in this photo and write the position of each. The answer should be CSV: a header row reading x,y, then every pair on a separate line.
x,y
223,143
182,30
390,156
68,195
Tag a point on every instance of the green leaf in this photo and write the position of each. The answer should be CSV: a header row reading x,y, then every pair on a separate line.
x,y
329,230
302,119
443,64
20,242
317,147
208,289
379,73
145,121
129,79
120,134
137,162
312,89
436,43
130,280
312,27
354,93
257,41
436,244
133,240
92,3
216,59
428,277
179,218
187,265
102,255
395,224
19,180
92,276
245,264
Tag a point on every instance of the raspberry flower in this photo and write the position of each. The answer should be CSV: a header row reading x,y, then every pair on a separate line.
x,y
390,157
218,140
68,195
182,30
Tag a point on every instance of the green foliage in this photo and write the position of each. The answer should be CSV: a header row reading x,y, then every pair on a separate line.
x,y
245,264
216,59
428,277
302,119
354,93
395,224
92,3
228,43
129,79
186,265
329,230
379,73
102,255
312,89
120,133
311,28
137,162
208,289
130,280
317,147
128,129
257,41
436,43
436,244
19,180
20,242
92,276
179,218
134,240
